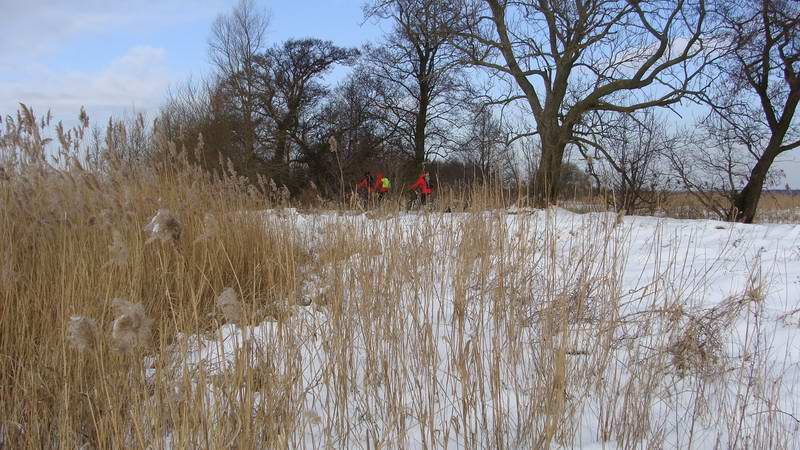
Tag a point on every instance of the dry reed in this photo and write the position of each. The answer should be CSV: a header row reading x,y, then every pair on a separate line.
x,y
428,330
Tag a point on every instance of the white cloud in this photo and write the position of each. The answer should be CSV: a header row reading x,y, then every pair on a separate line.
x,y
35,27
35,33
136,79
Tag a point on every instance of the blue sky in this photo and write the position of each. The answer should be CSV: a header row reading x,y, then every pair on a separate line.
x,y
114,57
117,57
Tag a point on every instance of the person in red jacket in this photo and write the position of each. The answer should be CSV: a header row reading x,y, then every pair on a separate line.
x,y
381,185
364,186
423,184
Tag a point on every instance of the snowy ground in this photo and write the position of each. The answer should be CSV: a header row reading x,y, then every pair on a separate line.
x,y
465,333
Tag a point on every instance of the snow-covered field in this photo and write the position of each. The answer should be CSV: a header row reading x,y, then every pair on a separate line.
x,y
516,329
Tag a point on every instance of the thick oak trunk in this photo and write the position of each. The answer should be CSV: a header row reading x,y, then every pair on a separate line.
x,y
281,142
546,185
419,127
746,202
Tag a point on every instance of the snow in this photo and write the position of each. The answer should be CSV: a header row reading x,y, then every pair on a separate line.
x,y
645,264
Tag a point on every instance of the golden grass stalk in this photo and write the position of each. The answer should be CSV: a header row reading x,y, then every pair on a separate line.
x,y
118,251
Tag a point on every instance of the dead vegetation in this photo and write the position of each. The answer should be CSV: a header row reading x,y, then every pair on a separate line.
x,y
161,307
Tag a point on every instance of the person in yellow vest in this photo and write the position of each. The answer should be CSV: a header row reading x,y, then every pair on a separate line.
x,y
382,185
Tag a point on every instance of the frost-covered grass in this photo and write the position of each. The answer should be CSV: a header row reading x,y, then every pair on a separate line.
x,y
159,307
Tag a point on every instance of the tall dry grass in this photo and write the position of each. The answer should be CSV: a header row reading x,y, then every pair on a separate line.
x,y
158,306
75,239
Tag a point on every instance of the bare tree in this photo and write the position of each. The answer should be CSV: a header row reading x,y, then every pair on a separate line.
x,y
711,166
199,116
363,142
753,109
567,59
356,119
626,154
289,87
420,72
486,146
236,41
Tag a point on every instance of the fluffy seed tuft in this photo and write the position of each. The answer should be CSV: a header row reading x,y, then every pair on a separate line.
x,y
131,328
228,303
332,144
82,333
163,226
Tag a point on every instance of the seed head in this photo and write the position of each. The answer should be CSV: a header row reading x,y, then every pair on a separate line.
x,y
164,227
333,144
228,303
82,333
131,327
285,194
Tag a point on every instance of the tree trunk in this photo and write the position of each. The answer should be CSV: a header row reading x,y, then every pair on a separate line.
x,y
746,202
249,137
546,184
419,127
281,140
